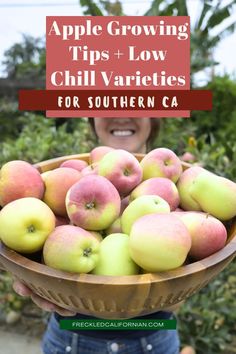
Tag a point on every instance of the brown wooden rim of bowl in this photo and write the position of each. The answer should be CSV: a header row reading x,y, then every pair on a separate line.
x,y
55,162
195,267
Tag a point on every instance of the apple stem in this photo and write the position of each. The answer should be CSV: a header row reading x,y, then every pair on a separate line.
x,y
31,228
87,252
126,172
90,205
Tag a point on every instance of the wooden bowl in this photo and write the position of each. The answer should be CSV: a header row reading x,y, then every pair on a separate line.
x,y
115,297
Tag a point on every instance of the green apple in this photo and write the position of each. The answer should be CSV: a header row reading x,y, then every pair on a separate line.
x,y
25,224
215,195
72,249
159,242
114,258
146,204
114,228
184,184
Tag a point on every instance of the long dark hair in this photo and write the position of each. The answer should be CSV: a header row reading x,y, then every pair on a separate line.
x,y
155,128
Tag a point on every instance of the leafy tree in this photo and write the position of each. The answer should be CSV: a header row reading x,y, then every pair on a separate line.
x,y
203,41
26,59
107,8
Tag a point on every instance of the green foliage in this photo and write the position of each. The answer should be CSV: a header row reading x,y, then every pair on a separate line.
x,y
9,300
208,319
26,59
221,121
108,8
210,136
40,139
203,42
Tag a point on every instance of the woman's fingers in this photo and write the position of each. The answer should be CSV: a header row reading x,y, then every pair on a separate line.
x,y
49,306
22,290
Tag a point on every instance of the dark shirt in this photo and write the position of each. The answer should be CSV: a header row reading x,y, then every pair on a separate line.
x,y
113,334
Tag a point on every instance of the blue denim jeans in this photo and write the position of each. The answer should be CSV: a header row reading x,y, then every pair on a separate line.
x,y
58,341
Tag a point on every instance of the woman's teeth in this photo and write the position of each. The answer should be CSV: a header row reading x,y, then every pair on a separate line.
x,y
127,132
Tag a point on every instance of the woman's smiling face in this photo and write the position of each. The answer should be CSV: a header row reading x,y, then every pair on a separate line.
x,y
130,134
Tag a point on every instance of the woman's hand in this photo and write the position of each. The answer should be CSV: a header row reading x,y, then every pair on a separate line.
x,y
22,290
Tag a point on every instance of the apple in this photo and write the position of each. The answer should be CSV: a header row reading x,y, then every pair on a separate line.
x,y
114,257
146,204
57,183
208,234
188,157
93,203
72,249
124,203
60,220
90,170
163,187
161,162
214,194
76,164
114,228
159,242
97,235
184,184
122,169
19,179
98,153
25,224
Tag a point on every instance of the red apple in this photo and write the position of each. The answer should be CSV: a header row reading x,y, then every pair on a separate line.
x,y
76,164
208,234
122,169
57,183
98,153
93,203
19,179
162,187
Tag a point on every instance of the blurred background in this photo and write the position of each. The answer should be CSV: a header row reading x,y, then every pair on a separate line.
x,y
208,319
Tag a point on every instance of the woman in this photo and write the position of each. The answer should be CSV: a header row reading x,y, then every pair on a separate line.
x,y
133,135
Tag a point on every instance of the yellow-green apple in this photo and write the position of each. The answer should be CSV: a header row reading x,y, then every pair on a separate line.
x,y
57,183
98,153
146,204
214,194
25,224
114,257
163,187
122,169
76,164
72,249
114,228
184,184
19,179
208,234
93,203
161,162
159,242
97,235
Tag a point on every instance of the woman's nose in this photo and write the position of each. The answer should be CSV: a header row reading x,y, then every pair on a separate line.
x,y
122,120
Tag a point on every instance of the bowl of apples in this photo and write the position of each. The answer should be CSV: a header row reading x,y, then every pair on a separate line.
x,y
115,235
